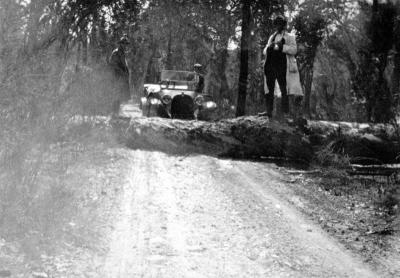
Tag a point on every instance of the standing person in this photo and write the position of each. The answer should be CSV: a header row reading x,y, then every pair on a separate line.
x,y
120,72
200,78
280,66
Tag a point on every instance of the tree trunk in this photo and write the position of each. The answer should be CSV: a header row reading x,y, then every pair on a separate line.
x,y
94,52
244,58
84,49
102,38
396,69
216,80
308,77
255,137
222,61
138,68
256,87
168,62
396,77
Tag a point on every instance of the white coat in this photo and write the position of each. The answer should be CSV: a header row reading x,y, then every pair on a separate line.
x,y
292,72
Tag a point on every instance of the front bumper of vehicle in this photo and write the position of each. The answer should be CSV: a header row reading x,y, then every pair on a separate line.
x,y
179,107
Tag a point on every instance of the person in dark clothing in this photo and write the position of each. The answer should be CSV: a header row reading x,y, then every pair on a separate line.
x,y
275,67
120,72
200,84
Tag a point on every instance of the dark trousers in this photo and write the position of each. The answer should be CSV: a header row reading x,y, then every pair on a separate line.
x,y
272,75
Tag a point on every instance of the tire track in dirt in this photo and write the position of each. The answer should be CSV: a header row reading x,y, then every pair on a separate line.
x,y
122,254
148,239
200,216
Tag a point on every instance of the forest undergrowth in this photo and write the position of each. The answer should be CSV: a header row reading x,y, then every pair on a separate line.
x,y
40,97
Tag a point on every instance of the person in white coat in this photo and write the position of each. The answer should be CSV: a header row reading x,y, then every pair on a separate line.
x,y
280,67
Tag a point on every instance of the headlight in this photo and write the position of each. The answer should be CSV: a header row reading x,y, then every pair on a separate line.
x,y
155,101
199,100
166,99
143,99
210,105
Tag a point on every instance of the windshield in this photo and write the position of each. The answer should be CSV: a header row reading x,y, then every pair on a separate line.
x,y
173,75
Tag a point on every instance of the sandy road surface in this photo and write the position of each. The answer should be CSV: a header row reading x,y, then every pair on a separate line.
x,y
198,216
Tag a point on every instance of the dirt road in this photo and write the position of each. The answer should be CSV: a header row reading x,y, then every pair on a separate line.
x,y
198,216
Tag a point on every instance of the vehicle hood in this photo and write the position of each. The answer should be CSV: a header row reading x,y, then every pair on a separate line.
x,y
174,93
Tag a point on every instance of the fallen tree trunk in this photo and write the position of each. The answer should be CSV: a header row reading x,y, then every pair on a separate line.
x,y
363,143
239,138
252,137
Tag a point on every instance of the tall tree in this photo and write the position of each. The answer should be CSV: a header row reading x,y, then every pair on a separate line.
x,y
396,59
244,58
370,82
310,26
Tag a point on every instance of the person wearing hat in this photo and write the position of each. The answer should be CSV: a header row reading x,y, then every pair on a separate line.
x,y
200,77
120,72
280,67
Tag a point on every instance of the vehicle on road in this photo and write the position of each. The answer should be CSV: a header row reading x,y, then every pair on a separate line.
x,y
175,97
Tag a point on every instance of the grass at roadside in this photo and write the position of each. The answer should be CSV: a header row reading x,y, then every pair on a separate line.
x,y
65,210
355,211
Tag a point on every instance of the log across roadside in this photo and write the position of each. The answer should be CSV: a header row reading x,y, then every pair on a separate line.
x,y
252,137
